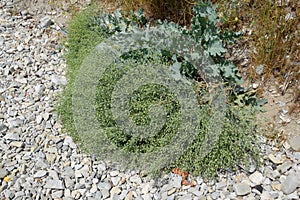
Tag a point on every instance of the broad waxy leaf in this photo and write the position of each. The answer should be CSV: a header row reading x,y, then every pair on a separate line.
x,y
216,48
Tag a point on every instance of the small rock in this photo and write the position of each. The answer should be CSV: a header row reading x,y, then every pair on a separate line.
x,y
17,144
146,197
274,159
46,116
105,185
242,189
57,194
260,70
221,185
21,80
176,181
115,180
114,173
40,164
69,141
276,186
295,143
54,184
256,178
274,194
39,119
172,191
291,183
215,195
68,172
50,157
105,193
98,195
115,190
12,136
294,195
284,167
45,22
3,173
196,191
93,189
255,85
136,179
265,196
40,174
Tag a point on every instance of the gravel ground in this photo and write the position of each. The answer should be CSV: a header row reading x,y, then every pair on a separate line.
x,y
39,161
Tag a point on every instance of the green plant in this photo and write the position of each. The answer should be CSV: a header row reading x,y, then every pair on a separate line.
x,y
237,143
238,140
83,36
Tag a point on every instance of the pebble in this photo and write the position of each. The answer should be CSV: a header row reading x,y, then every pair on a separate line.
x,y
242,189
274,159
291,183
3,173
256,178
45,22
295,143
54,184
285,166
40,174
136,179
176,181
260,70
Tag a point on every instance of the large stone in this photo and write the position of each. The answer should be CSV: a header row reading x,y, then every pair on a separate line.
x,y
291,183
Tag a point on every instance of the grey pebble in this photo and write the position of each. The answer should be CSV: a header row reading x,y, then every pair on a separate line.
x,y
136,179
45,22
295,143
54,184
291,183
176,181
3,173
105,193
40,174
242,189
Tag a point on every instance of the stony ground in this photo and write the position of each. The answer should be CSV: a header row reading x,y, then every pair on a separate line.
x,y
39,161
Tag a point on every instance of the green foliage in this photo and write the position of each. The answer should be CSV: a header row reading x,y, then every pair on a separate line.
x,y
140,104
237,144
116,22
238,141
205,28
83,36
